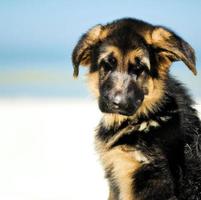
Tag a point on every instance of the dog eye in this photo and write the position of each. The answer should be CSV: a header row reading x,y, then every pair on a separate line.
x,y
106,65
112,61
136,70
109,64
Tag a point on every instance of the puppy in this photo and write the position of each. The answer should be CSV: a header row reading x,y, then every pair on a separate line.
x,y
149,137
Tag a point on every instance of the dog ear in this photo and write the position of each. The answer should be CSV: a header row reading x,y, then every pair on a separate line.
x,y
82,51
170,47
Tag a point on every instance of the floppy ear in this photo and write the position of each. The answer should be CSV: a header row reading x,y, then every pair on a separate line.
x,y
82,51
171,47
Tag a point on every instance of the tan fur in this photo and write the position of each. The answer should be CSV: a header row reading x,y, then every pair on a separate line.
x,y
124,164
156,35
98,32
160,35
111,49
111,195
146,125
164,65
130,57
154,98
94,35
147,35
111,119
92,80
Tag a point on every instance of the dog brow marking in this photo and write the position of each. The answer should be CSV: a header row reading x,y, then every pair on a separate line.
x,y
138,53
106,51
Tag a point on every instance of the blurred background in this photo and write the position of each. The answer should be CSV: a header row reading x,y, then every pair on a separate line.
x,y
47,118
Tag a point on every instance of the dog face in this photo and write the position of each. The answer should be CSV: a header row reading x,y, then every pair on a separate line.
x,y
128,64
123,74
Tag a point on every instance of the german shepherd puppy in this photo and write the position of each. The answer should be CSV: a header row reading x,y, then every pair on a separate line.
x,y
149,137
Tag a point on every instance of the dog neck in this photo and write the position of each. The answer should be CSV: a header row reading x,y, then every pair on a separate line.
x,y
141,124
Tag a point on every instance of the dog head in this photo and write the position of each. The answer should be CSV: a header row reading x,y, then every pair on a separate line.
x,y
128,64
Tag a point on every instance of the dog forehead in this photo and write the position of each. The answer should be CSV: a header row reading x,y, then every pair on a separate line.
x,y
110,48
140,53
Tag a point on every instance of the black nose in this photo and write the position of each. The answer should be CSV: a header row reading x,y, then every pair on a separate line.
x,y
117,100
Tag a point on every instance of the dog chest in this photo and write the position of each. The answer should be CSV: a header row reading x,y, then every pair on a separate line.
x,y
122,162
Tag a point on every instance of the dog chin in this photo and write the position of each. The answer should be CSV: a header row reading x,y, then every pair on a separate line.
x,y
125,113
119,112
107,108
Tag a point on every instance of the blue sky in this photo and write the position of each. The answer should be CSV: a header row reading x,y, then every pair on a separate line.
x,y
37,38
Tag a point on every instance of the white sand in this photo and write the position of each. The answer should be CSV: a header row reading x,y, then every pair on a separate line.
x,y
47,151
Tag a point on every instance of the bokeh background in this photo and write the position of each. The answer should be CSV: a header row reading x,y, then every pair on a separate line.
x,y
37,38
47,118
